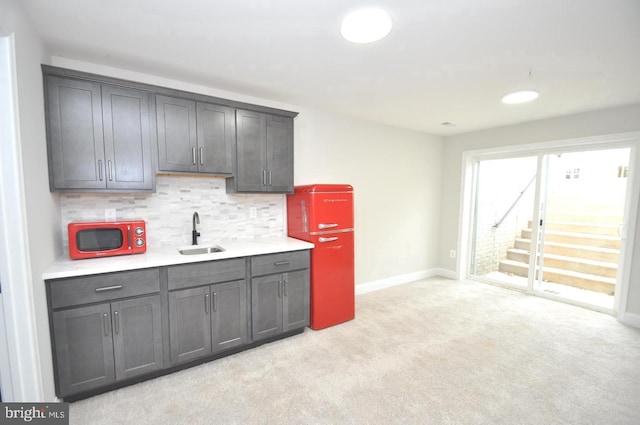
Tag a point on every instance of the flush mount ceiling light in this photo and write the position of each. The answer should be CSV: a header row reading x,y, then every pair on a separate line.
x,y
520,97
366,25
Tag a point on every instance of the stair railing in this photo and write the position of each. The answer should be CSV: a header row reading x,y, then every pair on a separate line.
x,y
499,222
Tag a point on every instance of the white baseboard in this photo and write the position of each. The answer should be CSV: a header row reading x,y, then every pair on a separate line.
x,y
449,274
630,319
376,285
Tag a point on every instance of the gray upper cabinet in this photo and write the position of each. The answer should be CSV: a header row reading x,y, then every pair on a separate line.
x,y
74,129
280,154
194,136
98,136
216,138
264,153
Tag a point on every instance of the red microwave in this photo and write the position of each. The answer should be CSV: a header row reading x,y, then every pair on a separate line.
x,y
106,238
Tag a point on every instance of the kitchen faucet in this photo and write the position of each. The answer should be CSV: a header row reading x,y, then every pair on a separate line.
x,y
195,233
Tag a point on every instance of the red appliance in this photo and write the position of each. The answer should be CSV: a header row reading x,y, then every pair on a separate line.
x,y
106,238
323,214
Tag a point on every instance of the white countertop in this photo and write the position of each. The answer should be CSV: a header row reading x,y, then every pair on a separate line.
x,y
157,257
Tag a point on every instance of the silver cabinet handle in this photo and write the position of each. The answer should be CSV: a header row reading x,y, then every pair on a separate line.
x,y
100,169
110,170
116,321
281,263
264,177
269,177
109,288
215,302
201,156
193,156
105,324
206,303
327,225
284,284
331,239
279,289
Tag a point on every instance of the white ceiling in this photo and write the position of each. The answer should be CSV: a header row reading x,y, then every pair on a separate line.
x,y
444,60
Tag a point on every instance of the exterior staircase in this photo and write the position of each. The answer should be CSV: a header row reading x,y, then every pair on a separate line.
x,y
581,249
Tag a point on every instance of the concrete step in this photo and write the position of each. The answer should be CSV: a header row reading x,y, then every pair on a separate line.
x,y
593,228
601,241
604,208
566,277
581,265
583,217
608,255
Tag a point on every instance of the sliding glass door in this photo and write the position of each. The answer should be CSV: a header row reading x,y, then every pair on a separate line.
x,y
581,222
504,201
552,223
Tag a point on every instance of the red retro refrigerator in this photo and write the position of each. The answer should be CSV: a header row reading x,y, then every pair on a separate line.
x,y
323,214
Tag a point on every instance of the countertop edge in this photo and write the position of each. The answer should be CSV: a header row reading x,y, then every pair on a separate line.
x,y
64,267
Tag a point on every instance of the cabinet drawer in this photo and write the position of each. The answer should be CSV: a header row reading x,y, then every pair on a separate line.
x,y
279,263
195,274
105,287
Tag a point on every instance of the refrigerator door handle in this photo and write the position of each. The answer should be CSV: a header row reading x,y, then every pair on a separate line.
x,y
327,225
331,239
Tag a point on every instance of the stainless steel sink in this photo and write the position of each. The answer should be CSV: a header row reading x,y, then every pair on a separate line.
x,y
204,249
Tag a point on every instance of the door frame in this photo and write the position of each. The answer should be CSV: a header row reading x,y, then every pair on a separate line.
x,y
21,358
471,158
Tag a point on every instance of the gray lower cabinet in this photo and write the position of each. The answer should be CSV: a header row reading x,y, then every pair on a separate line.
x,y
111,327
98,136
83,348
264,153
196,137
99,344
207,320
280,303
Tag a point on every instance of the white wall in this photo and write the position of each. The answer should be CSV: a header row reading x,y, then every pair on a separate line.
x,y
42,214
609,121
396,178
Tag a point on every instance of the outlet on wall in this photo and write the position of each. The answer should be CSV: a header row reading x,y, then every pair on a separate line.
x,y
452,253
110,214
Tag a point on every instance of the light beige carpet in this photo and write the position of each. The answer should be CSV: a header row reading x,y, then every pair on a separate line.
x,y
432,352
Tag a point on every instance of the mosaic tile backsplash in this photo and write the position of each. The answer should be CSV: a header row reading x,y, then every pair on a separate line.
x,y
169,211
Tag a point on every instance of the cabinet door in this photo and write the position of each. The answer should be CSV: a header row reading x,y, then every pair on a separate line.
x,y
74,129
251,172
189,324
216,138
229,314
84,348
266,306
296,300
279,154
127,142
137,336
176,123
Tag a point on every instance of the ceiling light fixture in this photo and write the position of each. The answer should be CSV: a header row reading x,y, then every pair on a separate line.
x,y
520,97
366,25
